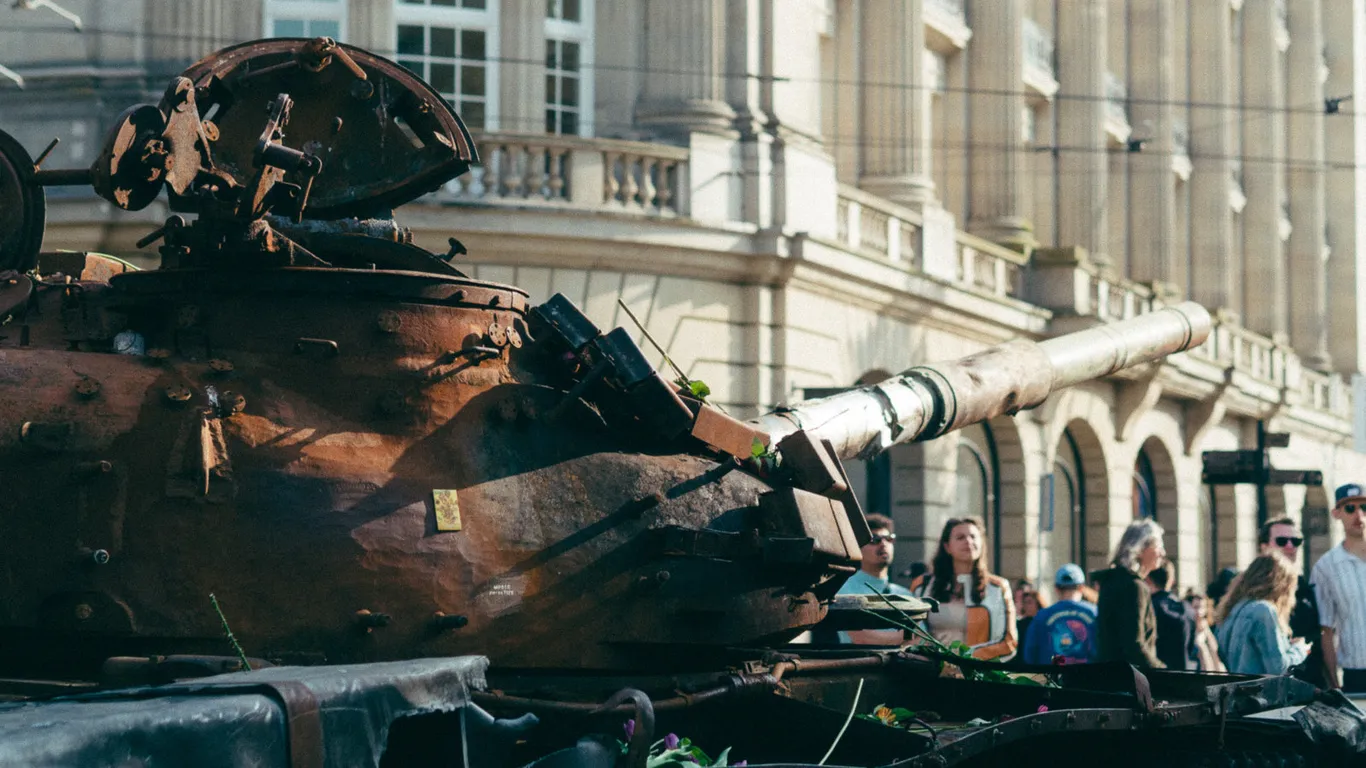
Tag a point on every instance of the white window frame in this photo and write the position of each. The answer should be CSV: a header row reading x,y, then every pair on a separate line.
x,y
485,19
582,33
305,10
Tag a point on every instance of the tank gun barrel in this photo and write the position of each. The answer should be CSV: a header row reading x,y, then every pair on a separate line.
x,y
927,401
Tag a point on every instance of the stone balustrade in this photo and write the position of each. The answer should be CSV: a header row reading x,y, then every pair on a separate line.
x,y
878,229
1325,392
874,227
988,267
566,171
1250,353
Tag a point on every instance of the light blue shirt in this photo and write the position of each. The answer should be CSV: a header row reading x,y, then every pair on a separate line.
x,y
1252,641
862,583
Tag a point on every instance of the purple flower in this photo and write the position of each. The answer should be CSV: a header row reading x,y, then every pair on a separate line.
x,y
630,727
1043,708
671,741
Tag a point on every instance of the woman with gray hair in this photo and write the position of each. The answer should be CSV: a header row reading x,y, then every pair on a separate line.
x,y
1126,626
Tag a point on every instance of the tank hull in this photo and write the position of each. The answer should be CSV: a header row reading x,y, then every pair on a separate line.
x,y
282,440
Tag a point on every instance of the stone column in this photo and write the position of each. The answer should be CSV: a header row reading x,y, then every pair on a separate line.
x,y
187,32
996,122
1152,186
1263,126
1308,200
1216,271
684,58
617,77
896,102
1345,141
924,482
1082,163
370,24
521,73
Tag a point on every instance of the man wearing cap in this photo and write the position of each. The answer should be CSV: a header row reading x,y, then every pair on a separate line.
x,y
1066,628
1282,535
1339,581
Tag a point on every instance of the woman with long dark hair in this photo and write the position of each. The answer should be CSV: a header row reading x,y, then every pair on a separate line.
x,y
975,605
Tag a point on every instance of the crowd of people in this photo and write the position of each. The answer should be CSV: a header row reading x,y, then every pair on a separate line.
x,y
1268,619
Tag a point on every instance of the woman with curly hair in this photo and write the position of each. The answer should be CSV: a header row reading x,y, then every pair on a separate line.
x,y
1254,619
975,606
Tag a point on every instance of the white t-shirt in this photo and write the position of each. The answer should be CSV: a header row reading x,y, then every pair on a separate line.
x,y
1339,581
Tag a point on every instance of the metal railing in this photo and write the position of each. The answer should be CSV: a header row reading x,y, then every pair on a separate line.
x,y
875,228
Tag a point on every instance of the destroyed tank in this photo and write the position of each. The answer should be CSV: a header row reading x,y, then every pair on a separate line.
x,y
305,437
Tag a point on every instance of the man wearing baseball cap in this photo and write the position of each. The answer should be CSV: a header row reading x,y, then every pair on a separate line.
x,y
1339,581
1066,628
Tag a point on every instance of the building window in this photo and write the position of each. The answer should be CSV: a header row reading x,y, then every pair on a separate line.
x,y
472,4
305,18
450,44
568,57
564,10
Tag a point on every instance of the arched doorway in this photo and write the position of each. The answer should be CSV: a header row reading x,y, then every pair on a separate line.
x,y
1081,525
1067,491
1155,498
1145,487
1066,521
978,483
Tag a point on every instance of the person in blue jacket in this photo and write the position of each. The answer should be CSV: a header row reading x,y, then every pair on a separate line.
x,y
1066,628
1254,619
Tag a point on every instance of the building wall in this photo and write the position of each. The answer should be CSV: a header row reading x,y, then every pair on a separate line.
x,y
820,174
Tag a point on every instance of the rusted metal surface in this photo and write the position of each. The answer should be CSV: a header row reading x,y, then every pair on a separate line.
x,y
23,209
927,401
369,165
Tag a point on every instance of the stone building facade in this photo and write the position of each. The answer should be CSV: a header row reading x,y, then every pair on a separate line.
x,y
801,195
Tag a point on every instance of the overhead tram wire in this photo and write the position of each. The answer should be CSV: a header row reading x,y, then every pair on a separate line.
x,y
220,41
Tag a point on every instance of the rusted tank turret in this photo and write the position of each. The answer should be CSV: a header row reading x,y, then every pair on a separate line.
x,y
364,454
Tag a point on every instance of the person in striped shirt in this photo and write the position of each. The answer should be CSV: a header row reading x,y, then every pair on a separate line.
x,y
1339,580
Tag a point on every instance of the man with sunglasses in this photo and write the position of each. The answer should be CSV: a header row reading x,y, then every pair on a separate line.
x,y
1340,584
874,576
1283,536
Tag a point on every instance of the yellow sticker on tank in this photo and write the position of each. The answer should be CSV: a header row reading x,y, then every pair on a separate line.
x,y
447,506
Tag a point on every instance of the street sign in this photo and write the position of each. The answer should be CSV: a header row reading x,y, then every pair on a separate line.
x,y
1294,477
1253,467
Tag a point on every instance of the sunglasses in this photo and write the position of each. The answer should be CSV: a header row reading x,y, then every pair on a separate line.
x,y
1351,508
878,538
1292,541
